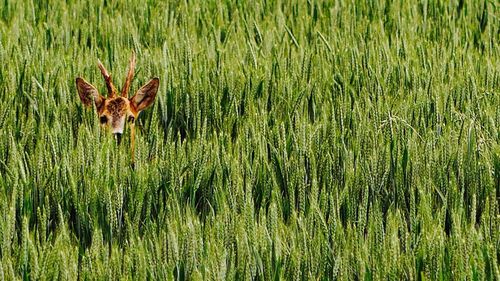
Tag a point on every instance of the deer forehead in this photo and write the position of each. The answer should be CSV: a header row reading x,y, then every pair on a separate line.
x,y
117,107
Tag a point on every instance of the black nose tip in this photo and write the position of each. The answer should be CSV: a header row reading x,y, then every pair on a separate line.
x,y
118,138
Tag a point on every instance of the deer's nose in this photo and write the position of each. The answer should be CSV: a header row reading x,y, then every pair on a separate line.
x,y
118,137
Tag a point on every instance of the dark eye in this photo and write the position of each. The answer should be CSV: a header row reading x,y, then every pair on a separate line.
x,y
131,119
103,119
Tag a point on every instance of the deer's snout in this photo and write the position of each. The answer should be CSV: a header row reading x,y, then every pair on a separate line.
x,y
118,137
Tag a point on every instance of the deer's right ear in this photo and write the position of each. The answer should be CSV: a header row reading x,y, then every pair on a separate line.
x,y
88,92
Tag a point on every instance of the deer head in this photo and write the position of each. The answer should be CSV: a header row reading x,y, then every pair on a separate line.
x,y
115,110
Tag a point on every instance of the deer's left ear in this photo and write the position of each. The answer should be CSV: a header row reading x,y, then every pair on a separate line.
x,y
145,95
88,92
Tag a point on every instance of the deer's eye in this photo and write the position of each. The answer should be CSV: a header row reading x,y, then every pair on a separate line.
x,y
131,119
103,119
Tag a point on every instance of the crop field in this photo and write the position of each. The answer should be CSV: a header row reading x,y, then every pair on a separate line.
x,y
289,140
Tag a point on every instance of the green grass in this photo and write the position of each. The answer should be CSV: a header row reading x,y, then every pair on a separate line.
x,y
292,140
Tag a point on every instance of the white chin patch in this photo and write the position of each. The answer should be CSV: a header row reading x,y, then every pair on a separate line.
x,y
117,131
117,127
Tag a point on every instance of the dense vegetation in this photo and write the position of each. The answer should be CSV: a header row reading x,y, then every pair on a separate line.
x,y
289,140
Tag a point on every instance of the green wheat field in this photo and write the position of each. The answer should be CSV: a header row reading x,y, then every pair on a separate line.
x,y
289,140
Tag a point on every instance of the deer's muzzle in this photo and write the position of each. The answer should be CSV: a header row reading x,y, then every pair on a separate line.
x,y
118,137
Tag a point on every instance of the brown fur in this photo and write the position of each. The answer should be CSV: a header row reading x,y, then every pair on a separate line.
x,y
116,107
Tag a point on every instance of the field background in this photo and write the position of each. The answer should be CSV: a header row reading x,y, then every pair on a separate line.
x,y
289,140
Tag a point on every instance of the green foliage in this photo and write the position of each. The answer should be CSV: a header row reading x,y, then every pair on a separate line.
x,y
290,140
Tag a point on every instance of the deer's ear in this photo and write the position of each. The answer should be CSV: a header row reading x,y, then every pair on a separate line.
x,y
145,95
87,92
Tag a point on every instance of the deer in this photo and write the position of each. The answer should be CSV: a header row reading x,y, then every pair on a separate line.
x,y
115,110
